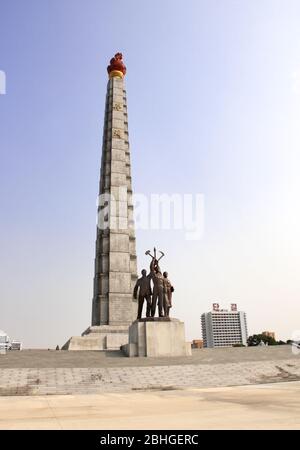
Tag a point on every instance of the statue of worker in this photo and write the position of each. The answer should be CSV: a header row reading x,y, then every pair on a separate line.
x,y
142,291
158,288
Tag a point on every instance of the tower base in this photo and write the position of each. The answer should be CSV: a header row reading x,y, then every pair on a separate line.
x,y
103,337
157,337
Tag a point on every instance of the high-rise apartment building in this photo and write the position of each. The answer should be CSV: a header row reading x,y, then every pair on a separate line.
x,y
224,328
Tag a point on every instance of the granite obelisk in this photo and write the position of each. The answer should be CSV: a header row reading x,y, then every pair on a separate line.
x,y
113,306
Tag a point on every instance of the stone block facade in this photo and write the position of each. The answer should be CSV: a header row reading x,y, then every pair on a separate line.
x,y
113,306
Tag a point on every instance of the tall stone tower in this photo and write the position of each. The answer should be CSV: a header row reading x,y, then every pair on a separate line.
x,y
113,307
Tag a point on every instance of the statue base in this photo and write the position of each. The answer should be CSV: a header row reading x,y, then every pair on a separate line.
x,y
157,337
102,337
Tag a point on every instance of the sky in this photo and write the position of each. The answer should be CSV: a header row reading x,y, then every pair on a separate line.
x,y
213,90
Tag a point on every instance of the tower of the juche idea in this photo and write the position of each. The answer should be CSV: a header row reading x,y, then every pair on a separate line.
x,y
113,306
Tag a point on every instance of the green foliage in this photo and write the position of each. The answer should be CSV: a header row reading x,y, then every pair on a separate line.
x,y
256,339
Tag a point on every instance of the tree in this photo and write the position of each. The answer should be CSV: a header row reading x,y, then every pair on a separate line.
x,y
256,339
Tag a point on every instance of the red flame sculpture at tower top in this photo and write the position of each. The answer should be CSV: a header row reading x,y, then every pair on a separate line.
x,y
116,66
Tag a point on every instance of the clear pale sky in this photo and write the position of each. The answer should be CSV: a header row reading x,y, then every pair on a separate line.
x,y
214,107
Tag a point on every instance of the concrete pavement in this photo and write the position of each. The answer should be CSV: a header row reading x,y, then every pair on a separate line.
x,y
59,381
271,406
42,359
61,373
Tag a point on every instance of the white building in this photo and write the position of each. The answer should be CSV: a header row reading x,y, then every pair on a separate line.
x,y
223,328
7,344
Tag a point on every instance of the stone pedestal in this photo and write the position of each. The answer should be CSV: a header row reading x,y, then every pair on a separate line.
x,y
157,337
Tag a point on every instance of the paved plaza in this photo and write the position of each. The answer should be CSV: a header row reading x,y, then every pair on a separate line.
x,y
37,372
271,406
41,359
42,389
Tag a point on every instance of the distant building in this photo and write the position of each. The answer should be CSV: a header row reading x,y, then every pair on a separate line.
x,y
16,345
7,344
270,334
223,328
197,343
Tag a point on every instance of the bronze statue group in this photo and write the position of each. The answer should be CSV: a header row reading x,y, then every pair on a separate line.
x,y
160,295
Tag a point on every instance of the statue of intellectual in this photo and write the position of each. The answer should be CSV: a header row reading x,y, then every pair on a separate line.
x,y
168,290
